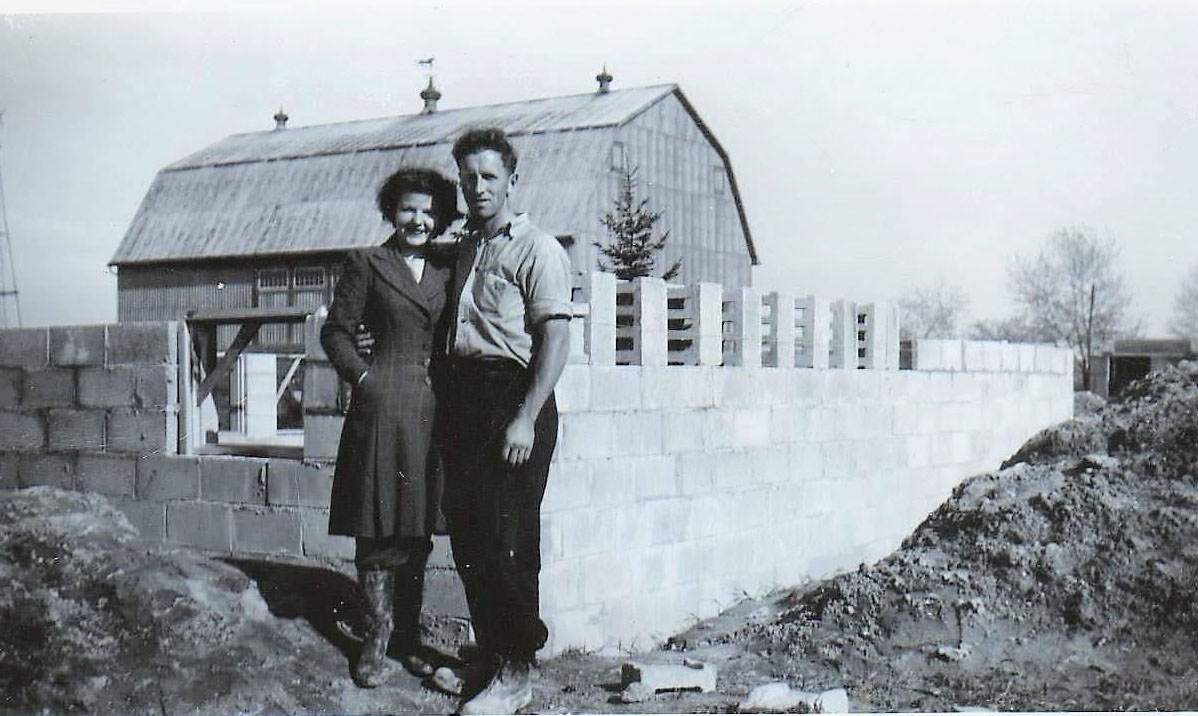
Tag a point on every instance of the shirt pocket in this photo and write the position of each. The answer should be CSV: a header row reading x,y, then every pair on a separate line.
x,y
495,293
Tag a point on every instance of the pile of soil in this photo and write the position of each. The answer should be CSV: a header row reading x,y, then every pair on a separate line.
x,y
95,620
1063,581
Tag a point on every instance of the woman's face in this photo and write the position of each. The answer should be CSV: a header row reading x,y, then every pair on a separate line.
x,y
414,220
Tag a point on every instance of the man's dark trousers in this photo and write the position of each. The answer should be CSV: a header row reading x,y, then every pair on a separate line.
x,y
493,510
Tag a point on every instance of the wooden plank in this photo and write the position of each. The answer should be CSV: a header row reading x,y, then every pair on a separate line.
x,y
260,314
245,334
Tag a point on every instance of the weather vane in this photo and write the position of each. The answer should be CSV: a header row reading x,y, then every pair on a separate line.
x,y
428,64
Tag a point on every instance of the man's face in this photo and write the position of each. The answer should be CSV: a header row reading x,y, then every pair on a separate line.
x,y
485,183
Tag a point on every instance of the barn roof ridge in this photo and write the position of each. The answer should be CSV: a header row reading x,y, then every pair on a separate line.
x,y
225,152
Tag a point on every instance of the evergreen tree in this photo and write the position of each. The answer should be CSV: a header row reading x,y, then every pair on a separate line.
x,y
632,249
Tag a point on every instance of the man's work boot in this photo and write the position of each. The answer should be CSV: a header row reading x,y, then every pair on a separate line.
x,y
509,691
371,669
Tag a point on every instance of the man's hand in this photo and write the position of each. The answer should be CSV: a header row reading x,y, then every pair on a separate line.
x,y
517,441
363,340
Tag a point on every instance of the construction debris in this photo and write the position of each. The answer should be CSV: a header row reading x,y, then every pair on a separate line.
x,y
778,697
641,681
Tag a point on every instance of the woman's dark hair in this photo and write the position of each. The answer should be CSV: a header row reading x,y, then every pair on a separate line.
x,y
420,181
481,138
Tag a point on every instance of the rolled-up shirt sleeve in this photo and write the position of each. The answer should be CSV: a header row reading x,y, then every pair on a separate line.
x,y
546,283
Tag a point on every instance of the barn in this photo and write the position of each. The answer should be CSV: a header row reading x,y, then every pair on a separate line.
x,y
264,218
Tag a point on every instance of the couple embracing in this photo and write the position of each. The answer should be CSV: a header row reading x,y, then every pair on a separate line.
x,y
465,358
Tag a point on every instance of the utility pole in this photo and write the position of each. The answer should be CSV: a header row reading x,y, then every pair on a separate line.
x,y
10,301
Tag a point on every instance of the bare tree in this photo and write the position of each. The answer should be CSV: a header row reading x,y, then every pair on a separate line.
x,y
1012,329
1184,322
935,311
1072,293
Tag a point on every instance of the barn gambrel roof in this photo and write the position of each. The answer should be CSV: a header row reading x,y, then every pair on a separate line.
x,y
308,189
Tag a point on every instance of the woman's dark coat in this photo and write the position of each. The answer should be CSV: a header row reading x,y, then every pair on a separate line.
x,y
385,483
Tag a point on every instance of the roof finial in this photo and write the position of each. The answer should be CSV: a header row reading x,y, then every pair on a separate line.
x,y
281,118
430,95
604,79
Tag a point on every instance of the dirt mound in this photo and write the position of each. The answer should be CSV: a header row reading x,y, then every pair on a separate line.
x,y
93,620
1064,581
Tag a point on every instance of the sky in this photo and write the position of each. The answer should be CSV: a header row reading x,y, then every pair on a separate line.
x,y
879,146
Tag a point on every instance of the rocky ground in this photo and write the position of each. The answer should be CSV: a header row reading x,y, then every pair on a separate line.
x,y
1063,581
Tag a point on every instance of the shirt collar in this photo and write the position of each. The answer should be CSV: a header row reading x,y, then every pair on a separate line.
x,y
514,229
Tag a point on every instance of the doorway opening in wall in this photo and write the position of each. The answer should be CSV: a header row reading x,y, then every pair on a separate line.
x,y
258,410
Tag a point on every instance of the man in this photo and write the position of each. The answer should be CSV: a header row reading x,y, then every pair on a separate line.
x,y
507,345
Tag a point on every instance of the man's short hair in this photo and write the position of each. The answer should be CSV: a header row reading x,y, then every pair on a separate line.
x,y
479,139
420,181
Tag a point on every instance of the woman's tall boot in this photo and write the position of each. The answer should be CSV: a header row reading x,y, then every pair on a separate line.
x,y
378,587
409,598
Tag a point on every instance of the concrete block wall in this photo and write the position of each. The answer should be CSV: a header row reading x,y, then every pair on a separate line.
x,y
677,491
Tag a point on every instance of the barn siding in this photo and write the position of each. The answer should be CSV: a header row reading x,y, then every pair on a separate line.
x,y
676,171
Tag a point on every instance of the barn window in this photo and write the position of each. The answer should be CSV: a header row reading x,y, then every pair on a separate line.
x,y
718,179
309,277
617,155
272,280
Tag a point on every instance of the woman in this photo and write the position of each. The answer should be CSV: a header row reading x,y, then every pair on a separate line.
x,y
385,490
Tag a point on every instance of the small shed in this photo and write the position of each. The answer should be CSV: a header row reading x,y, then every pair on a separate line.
x,y
1133,358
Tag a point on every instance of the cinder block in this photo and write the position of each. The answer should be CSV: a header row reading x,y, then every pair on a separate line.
x,y
668,520
233,479
10,470
637,433
317,542
52,470
677,387
75,429
142,342
268,530
295,483
106,387
114,475
155,386
569,485
77,345
586,531
616,388
751,427
605,576
612,481
695,472
770,464
322,388
168,477
21,430
575,629
25,347
561,585
11,380
682,431
48,388
145,432
585,435
573,390
734,387
148,517
1044,358
717,428
207,525
733,469
655,477
322,434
